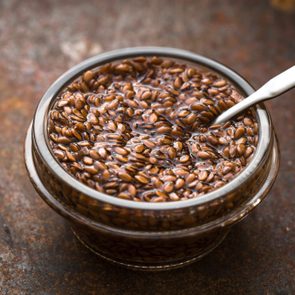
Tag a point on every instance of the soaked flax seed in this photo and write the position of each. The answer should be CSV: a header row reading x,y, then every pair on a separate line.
x,y
138,130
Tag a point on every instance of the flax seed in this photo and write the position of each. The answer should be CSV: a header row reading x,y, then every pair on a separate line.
x,y
138,129
125,176
121,151
142,179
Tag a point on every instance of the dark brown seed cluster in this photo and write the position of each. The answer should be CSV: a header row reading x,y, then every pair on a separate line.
x,y
138,130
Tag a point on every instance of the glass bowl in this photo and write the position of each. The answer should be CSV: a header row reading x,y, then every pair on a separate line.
x,y
143,235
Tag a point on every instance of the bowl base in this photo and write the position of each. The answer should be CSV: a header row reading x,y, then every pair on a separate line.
x,y
148,267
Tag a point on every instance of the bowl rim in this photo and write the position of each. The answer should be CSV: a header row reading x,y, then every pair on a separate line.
x,y
39,130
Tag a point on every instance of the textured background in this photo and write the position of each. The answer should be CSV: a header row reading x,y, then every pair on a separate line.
x,y
39,40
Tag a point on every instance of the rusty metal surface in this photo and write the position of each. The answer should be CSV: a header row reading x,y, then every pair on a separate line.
x,y
41,39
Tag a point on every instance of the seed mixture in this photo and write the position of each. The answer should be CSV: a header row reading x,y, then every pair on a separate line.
x,y
139,130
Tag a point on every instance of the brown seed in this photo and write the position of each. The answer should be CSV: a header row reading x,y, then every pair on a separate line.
x,y
255,128
154,170
181,172
163,130
190,119
168,187
248,121
76,134
239,132
132,190
131,167
156,182
176,70
125,176
153,160
92,119
214,110
102,152
140,59
177,82
149,143
173,197
171,152
222,105
178,145
87,160
121,127
241,140
226,152
203,155
219,83
121,151
250,131
212,139
202,176
232,151
94,154
112,184
129,94
142,179
62,103
79,104
140,157
179,183
184,158
207,102
198,107
109,97
158,199
123,68
105,175
59,154
87,76
112,126
248,151
90,169
139,148
183,113
79,126
210,177
76,166
208,115
193,184
169,178
218,184
111,192
206,81
146,95
241,148
226,169
190,178
229,103
153,118
156,60
191,100
191,72
121,158
124,196
70,156
223,140
63,139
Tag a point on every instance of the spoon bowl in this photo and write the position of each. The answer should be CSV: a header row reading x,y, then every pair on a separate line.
x,y
273,88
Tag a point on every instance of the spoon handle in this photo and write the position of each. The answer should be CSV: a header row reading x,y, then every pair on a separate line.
x,y
274,87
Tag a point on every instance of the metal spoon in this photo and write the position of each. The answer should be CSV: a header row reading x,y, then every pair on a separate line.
x,y
274,87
